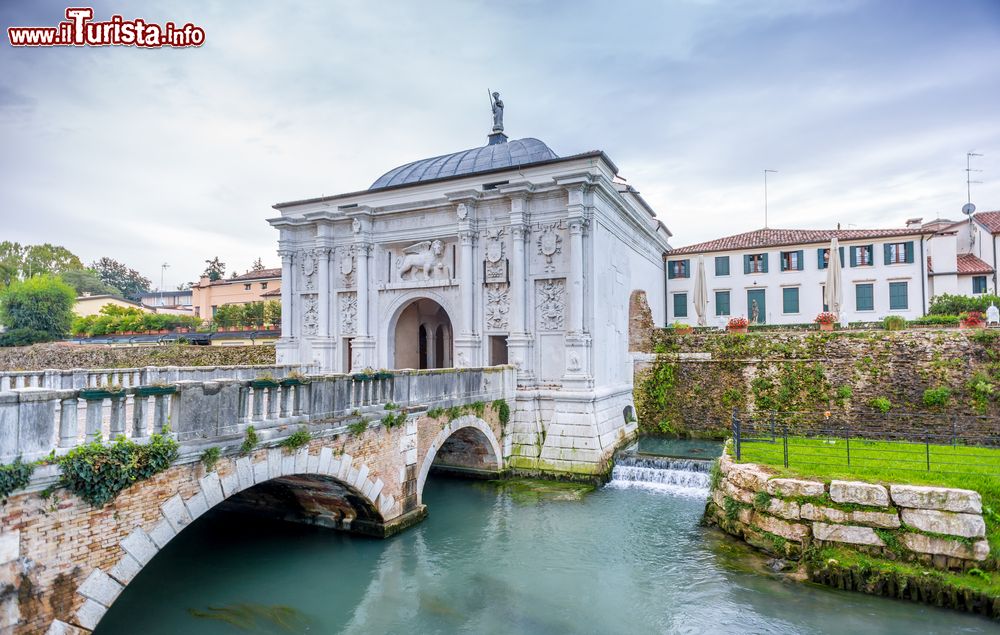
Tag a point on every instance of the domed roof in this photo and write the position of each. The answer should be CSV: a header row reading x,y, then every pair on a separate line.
x,y
490,157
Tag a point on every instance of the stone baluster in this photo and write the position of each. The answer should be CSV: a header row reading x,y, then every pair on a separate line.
x,y
117,427
139,404
285,394
161,412
68,422
258,404
272,402
95,415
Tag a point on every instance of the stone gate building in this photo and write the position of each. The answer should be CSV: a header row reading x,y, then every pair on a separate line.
x,y
505,253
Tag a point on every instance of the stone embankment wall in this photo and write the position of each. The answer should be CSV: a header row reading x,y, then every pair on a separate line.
x,y
937,526
690,384
65,356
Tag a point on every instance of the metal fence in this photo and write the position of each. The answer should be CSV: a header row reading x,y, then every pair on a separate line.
x,y
914,442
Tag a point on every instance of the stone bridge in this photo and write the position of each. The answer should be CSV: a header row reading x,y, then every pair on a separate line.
x,y
63,562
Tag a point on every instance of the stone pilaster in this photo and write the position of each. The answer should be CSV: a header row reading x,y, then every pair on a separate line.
x,y
578,342
287,347
324,347
363,345
467,343
520,343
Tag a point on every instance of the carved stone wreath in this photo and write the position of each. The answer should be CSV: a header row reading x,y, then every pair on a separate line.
x,y
497,306
550,304
348,313
549,245
310,315
308,264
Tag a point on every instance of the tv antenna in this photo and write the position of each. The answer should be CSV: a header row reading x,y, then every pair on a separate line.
x,y
969,208
765,195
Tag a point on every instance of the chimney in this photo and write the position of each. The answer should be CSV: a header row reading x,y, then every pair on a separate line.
x,y
913,222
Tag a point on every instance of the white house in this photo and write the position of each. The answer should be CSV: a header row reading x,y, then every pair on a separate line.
x,y
963,256
505,253
776,276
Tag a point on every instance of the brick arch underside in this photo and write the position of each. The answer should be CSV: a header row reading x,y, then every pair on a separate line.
x,y
478,441
301,483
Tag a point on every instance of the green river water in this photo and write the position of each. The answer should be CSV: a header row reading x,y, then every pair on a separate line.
x,y
518,558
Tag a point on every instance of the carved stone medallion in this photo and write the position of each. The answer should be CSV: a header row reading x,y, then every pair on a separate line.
x,y
310,315
348,310
550,304
497,306
549,245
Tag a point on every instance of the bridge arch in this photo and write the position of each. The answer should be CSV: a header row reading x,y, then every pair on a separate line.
x,y
468,430
360,486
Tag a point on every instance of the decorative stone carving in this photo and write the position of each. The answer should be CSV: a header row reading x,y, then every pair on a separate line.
x,y
307,260
426,257
549,245
348,313
497,306
550,304
310,315
347,266
573,361
496,264
463,211
356,226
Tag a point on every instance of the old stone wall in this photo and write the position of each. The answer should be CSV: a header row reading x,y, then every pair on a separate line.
x,y
64,356
937,526
690,384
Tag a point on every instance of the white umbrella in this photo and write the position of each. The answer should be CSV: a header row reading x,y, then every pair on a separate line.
x,y
701,293
833,293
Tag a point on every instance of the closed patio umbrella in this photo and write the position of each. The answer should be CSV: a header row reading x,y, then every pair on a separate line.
x,y
833,293
701,293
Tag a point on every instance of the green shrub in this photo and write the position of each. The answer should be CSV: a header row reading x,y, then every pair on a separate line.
x,y
947,304
14,476
844,393
24,337
981,388
357,428
503,411
297,439
210,457
97,473
893,322
936,320
391,419
882,404
250,441
937,397
40,303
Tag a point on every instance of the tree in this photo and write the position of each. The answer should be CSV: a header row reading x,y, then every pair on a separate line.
x,y
130,282
51,259
215,269
41,303
11,258
258,265
87,281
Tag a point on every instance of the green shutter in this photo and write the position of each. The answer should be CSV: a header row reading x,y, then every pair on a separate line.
x,y
843,262
909,251
746,263
764,259
854,256
800,260
887,248
819,258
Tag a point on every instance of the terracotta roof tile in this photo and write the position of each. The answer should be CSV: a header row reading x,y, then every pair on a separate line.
x,y
764,238
255,275
969,264
989,220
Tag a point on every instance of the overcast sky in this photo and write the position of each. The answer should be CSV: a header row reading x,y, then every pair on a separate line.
x,y
866,109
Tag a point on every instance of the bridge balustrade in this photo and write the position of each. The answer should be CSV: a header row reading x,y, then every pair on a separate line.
x,y
34,421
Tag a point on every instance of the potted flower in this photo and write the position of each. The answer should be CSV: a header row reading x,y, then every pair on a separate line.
x,y
682,329
826,320
738,324
971,320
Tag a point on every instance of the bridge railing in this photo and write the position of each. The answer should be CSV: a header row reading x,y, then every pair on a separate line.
x,y
130,377
36,421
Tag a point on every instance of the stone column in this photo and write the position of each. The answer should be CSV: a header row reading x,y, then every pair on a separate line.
x,y
324,346
467,281
520,343
286,348
363,345
576,275
577,374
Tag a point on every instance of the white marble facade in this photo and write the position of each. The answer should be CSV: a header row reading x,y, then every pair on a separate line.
x,y
530,265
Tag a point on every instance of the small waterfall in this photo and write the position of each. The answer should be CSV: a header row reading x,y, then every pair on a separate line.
x,y
686,477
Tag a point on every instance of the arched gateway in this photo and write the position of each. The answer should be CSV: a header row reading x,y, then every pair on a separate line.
x,y
422,336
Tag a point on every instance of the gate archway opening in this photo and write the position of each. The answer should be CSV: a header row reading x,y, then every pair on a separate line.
x,y
424,336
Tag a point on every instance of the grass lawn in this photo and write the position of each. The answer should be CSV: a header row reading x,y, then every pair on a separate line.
x,y
962,467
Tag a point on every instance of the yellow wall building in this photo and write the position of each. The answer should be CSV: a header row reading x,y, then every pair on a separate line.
x,y
254,286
